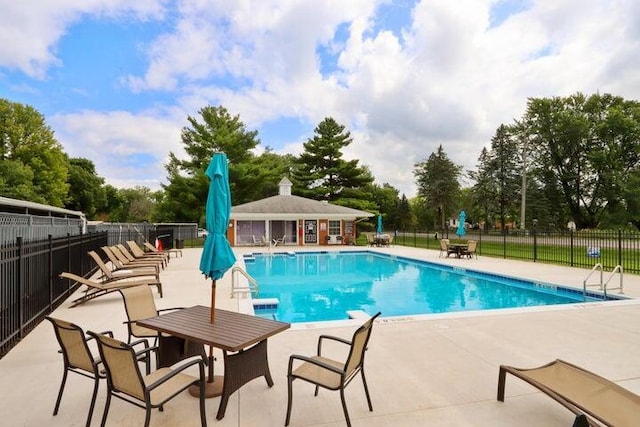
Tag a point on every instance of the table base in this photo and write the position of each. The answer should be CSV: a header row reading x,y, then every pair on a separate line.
x,y
211,389
242,367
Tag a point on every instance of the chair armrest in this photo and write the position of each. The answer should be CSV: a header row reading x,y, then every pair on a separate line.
x,y
332,338
146,350
313,362
89,337
140,341
175,371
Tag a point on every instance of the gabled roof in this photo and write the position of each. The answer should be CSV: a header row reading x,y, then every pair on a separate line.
x,y
293,207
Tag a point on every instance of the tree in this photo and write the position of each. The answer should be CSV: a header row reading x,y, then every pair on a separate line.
x,y
322,174
215,130
498,180
136,205
437,181
38,166
86,189
585,148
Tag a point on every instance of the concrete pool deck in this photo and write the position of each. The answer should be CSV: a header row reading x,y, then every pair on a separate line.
x,y
438,370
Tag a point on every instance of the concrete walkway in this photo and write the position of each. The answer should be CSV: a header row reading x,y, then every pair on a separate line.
x,y
438,370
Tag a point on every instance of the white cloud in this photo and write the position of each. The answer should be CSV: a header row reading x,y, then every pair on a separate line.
x,y
30,29
129,149
449,79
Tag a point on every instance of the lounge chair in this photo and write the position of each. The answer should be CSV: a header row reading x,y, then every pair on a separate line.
x,y
333,374
444,247
580,391
116,259
96,289
126,382
153,249
128,259
138,253
107,275
470,251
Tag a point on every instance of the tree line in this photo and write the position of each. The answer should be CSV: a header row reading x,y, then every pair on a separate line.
x,y
567,159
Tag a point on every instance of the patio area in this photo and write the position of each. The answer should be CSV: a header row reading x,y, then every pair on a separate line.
x,y
436,370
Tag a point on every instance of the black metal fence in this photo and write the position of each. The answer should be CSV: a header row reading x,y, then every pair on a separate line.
x,y
30,286
584,249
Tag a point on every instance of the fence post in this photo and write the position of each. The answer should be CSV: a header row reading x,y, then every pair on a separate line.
x,y
571,248
535,240
50,273
20,284
619,246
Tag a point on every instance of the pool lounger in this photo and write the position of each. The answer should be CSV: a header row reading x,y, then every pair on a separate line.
x,y
580,391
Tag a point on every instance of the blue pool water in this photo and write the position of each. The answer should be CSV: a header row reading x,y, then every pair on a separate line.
x,y
320,286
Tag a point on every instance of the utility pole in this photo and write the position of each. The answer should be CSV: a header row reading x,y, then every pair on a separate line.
x,y
523,192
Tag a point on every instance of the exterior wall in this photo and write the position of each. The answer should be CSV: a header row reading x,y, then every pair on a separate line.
x,y
231,232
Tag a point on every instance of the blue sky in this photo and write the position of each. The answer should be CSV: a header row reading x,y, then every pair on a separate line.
x,y
116,80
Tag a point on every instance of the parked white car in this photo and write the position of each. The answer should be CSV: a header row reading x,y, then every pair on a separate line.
x,y
202,233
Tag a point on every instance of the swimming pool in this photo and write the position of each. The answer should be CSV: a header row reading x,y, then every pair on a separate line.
x,y
321,286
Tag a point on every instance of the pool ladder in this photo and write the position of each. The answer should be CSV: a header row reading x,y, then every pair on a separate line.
x,y
602,284
236,288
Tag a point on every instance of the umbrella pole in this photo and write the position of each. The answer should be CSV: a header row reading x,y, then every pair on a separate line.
x,y
213,301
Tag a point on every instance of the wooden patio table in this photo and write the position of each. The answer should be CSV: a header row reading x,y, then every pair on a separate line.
x,y
458,249
241,337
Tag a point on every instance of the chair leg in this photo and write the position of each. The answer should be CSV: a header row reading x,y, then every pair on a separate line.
x,y
203,415
289,399
64,380
344,406
316,392
147,417
93,401
366,389
106,409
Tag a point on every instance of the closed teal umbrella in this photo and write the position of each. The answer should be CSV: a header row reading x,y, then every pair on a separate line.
x,y
461,221
217,256
379,229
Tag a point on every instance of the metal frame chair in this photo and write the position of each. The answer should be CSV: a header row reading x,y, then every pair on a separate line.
x,y
77,358
126,382
332,374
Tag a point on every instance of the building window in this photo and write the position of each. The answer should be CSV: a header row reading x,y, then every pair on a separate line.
x,y
334,228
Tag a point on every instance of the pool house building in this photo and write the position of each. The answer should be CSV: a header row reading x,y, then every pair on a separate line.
x,y
286,219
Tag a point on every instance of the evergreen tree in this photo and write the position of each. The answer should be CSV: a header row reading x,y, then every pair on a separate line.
x,y
322,174
437,180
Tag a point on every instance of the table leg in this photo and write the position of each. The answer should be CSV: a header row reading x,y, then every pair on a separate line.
x,y
242,367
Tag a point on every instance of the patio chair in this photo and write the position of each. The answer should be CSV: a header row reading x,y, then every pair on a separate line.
x,y
444,247
115,257
259,242
580,391
280,241
370,240
139,304
77,358
470,251
108,275
126,382
333,374
138,253
96,289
